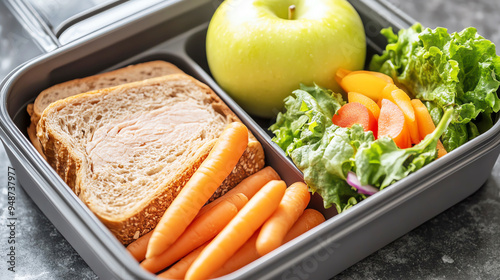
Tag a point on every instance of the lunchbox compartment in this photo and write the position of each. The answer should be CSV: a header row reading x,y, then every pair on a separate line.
x,y
318,254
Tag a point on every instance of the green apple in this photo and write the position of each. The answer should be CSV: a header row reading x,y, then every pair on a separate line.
x,y
259,51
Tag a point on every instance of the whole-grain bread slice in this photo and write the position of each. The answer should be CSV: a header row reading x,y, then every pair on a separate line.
x,y
128,74
127,151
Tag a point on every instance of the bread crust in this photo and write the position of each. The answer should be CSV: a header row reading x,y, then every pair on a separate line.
x,y
71,164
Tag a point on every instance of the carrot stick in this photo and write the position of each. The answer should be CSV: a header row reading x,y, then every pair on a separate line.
x,y
139,246
292,205
309,219
249,186
238,231
215,168
248,252
179,269
198,232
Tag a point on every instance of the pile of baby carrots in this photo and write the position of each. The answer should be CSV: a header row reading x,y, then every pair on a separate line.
x,y
198,241
375,102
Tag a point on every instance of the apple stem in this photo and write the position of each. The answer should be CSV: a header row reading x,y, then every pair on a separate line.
x,y
291,11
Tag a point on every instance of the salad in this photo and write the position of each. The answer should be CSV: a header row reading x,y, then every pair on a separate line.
x,y
456,76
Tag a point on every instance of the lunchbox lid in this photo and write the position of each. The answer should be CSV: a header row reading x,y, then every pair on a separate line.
x,y
54,23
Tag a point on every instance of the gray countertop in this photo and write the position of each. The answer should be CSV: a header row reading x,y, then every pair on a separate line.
x,y
463,242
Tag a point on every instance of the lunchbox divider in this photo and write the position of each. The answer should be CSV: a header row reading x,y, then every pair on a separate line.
x,y
273,156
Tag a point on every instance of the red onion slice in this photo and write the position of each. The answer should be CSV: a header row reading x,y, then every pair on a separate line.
x,y
353,181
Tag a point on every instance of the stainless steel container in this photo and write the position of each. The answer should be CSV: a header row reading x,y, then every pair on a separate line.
x,y
175,31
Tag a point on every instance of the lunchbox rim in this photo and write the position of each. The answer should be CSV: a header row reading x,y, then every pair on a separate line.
x,y
13,138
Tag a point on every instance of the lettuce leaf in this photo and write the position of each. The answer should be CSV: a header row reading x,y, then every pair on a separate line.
x,y
380,163
322,151
325,153
325,164
458,69
309,113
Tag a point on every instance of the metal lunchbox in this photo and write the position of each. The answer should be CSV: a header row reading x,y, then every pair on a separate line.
x,y
175,31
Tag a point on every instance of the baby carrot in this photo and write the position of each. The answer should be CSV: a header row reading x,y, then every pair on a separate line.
x,y
309,219
179,269
245,255
207,178
238,231
249,186
292,205
139,246
198,232
248,252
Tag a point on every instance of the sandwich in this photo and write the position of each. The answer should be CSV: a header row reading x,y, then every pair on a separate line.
x,y
126,151
131,73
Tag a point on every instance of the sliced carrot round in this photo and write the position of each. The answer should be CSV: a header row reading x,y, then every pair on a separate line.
x,y
403,101
391,123
366,101
355,113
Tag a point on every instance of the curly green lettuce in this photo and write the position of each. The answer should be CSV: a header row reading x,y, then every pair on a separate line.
x,y
322,151
459,69
380,163
325,153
